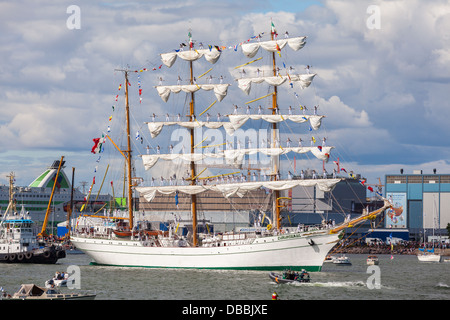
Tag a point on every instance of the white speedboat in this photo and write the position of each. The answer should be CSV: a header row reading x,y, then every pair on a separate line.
x,y
342,260
59,280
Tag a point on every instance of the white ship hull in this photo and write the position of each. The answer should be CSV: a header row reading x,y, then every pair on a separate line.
x,y
294,251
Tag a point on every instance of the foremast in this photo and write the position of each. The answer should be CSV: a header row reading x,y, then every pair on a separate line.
x,y
127,153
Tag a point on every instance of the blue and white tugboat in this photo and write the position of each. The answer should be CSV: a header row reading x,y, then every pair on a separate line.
x,y
19,241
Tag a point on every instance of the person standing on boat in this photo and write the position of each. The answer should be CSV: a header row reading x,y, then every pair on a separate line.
x,y
288,143
307,69
303,108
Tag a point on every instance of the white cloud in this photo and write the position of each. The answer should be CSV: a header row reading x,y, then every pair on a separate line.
x,y
380,89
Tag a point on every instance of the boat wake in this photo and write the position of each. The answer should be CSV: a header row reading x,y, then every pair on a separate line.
x,y
331,284
339,284
343,284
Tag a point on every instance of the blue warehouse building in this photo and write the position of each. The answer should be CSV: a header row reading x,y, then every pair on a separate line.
x,y
421,202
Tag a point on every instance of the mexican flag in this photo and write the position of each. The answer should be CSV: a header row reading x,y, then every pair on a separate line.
x,y
272,28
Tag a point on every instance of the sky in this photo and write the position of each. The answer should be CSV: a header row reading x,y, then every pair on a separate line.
x,y
383,74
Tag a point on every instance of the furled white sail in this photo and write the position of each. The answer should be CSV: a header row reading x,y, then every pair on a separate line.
x,y
191,55
155,128
245,84
150,160
235,156
239,120
250,49
220,90
236,121
239,189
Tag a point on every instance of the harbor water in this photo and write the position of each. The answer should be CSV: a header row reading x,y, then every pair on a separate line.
x,y
400,278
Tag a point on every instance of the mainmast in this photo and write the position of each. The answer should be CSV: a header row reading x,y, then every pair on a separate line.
x,y
193,174
276,193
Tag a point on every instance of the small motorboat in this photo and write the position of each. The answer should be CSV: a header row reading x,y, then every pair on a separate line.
x,y
430,257
372,260
34,292
342,260
290,277
59,280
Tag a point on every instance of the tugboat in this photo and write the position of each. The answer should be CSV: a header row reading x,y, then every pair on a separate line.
x,y
19,238
19,242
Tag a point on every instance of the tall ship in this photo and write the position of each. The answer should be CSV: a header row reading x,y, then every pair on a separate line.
x,y
123,240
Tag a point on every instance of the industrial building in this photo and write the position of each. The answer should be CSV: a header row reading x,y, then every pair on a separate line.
x,y
421,203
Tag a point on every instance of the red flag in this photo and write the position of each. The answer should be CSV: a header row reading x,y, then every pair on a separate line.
x,y
96,141
370,188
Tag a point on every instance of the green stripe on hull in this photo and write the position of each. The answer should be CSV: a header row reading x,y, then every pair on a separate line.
x,y
274,268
